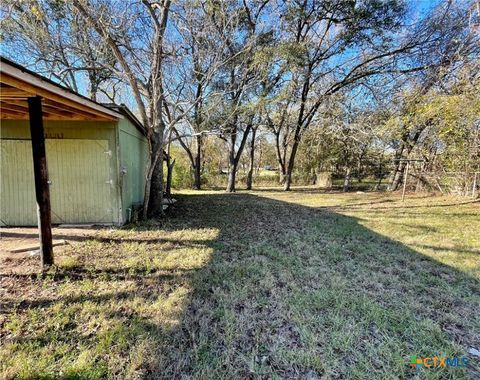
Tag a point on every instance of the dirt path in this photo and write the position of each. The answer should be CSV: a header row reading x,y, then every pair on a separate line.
x,y
26,240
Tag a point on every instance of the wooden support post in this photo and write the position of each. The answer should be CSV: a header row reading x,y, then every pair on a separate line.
x,y
42,191
405,181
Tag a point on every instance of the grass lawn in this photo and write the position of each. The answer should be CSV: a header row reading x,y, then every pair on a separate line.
x,y
261,284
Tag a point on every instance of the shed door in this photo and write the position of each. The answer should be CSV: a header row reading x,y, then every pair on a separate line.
x,y
79,172
17,189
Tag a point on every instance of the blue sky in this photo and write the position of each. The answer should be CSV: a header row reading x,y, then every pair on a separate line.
x,y
416,9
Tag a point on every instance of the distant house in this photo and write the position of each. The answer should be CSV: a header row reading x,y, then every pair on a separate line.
x,y
96,154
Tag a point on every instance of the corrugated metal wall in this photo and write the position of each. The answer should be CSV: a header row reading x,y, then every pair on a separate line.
x,y
82,166
85,161
17,200
133,159
79,189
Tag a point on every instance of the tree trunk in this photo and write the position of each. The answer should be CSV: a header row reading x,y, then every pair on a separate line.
x,y
252,160
288,173
359,169
168,187
380,176
287,181
397,175
93,89
281,161
197,177
291,161
231,178
298,130
155,204
346,181
234,158
197,167
407,146
232,164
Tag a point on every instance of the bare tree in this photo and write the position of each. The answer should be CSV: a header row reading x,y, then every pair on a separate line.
x,y
336,44
140,60
190,86
239,76
251,165
56,42
452,44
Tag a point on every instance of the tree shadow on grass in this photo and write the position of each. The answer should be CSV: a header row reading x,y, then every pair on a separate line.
x,y
287,291
295,291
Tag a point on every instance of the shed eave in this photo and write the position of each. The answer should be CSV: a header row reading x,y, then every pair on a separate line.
x,y
18,83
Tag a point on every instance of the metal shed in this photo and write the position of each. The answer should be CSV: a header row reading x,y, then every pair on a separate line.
x,y
96,154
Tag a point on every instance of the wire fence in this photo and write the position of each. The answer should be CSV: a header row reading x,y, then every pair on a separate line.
x,y
453,183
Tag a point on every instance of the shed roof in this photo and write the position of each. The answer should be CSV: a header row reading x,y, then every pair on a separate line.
x,y
125,111
17,83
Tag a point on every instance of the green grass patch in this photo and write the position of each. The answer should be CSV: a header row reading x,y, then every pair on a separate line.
x,y
264,284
